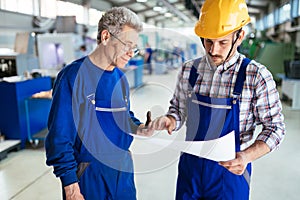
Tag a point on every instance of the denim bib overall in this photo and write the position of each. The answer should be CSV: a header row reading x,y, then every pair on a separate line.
x,y
211,118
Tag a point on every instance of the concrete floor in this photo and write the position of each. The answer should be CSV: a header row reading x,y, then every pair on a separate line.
x,y
24,175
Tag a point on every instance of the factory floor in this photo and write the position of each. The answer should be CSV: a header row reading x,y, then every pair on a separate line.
x,y
25,176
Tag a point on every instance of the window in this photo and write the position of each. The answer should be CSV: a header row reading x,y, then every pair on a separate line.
x,y
9,5
269,21
25,6
284,13
48,8
29,7
294,8
276,17
259,25
94,16
70,9
52,8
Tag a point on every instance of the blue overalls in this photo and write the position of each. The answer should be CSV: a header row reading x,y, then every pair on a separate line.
x,y
109,174
102,118
211,118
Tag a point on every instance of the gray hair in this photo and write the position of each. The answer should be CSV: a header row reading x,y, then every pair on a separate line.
x,y
115,19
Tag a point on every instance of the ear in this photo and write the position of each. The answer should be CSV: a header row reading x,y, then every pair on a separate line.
x,y
104,36
241,36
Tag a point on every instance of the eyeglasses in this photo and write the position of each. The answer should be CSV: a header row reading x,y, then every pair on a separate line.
x,y
127,47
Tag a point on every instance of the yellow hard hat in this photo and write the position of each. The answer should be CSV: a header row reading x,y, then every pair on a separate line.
x,y
219,18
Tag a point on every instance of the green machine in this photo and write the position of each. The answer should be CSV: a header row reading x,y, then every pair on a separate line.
x,y
250,47
273,55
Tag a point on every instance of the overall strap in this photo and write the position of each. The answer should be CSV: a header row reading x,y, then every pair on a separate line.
x,y
193,73
241,77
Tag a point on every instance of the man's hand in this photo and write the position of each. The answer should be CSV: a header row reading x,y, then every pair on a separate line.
x,y
143,128
163,123
238,165
148,115
73,192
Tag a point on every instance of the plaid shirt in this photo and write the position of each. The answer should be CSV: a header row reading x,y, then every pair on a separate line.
x,y
259,102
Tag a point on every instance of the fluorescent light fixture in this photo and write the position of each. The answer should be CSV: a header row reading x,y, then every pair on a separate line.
x,y
141,1
175,19
163,10
168,14
157,8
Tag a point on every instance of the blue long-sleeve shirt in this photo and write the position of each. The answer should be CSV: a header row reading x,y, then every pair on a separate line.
x,y
77,131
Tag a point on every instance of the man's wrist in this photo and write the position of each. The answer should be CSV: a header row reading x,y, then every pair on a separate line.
x,y
174,121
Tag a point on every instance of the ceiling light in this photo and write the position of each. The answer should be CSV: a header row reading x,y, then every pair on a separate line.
x,y
141,1
175,19
157,8
168,14
163,10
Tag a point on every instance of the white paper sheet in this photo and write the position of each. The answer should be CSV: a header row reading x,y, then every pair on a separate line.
x,y
221,149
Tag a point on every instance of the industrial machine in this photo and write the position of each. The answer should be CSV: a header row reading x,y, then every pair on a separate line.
x,y
292,69
20,116
57,50
271,54
22,59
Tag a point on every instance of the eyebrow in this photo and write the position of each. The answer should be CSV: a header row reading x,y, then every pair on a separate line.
x,y
224,40
128,41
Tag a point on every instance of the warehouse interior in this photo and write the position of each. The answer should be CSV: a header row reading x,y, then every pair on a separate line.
x,y
39,37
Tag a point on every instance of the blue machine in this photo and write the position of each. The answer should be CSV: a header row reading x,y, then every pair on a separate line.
x,y
19,113
138,72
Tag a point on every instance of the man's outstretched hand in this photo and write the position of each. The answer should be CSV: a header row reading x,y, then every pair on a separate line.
x,y
143,128
161,123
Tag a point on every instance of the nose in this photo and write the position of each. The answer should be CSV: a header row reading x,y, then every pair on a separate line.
x,y
213,49
130,53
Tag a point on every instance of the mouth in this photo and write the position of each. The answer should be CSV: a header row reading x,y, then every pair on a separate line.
x,y
125,60
215,57
122,61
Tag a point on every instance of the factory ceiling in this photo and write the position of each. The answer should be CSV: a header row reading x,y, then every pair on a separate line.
x,y
175,13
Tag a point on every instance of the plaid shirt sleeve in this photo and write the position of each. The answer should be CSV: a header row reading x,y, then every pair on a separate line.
x,y
267,109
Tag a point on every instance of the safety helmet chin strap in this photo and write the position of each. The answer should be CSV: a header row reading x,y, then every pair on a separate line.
x,y
232,45
202,40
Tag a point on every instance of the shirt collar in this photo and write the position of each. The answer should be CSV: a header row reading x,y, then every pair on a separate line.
x,y
234,59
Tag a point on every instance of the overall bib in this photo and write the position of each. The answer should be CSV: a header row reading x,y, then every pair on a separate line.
x,y
212,118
